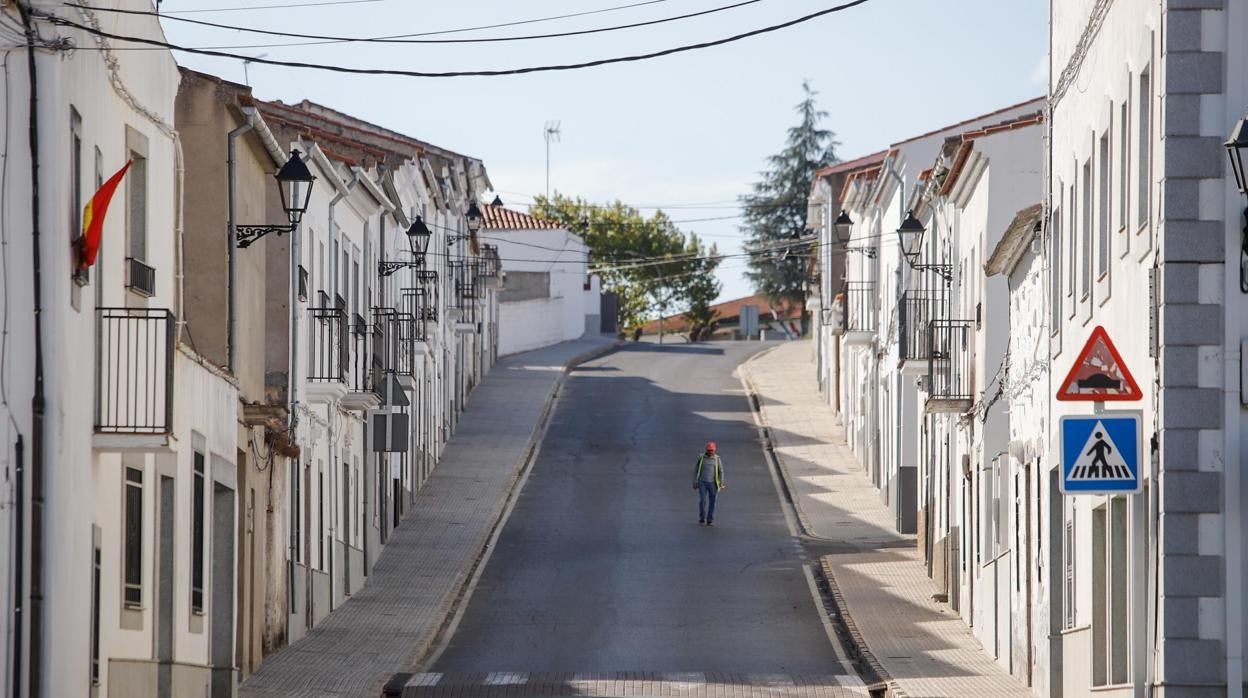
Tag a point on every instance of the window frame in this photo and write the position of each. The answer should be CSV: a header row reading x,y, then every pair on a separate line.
x,y
132,537
199,474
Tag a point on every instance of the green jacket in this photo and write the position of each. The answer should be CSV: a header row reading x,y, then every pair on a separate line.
x,y
719,471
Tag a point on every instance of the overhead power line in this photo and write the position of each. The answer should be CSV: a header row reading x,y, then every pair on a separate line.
x,y
453,73
323,39
271,7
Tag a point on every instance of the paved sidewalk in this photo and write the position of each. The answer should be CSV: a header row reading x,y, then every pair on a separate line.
x,y
386,626
921,644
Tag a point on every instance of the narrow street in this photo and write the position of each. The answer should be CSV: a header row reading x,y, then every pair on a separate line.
x,y
602,569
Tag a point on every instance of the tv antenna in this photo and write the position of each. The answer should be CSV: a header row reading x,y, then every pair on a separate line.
x,y
247,62
551,133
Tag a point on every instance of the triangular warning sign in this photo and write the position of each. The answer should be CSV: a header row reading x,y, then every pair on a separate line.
x,y
1099,373
1099,459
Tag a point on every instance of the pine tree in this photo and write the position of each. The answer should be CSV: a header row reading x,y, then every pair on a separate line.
x,y
775,212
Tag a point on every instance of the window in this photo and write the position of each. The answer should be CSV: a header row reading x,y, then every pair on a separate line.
x,y
320,517
136,195
75,202
96,566
197,534
1055,284
1124,143
346,502
1068,574
99,268
296,510
1085,276
1109,593
359,509
1102,208
132,547
1072,228
1143,158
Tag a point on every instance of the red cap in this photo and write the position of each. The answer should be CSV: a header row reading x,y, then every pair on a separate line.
x,y
710,446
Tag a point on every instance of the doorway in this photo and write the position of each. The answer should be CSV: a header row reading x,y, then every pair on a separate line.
x,y
221,603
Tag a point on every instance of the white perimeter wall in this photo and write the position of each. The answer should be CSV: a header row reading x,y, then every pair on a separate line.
x,y
540,322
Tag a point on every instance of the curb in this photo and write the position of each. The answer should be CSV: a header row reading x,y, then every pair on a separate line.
x,y
879,681
462,589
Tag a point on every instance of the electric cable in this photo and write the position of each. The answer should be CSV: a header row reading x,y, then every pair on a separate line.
x,y
265,7
324,39
633,58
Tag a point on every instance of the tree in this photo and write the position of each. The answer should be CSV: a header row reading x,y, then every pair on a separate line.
x,y
700,289
647,262
774,212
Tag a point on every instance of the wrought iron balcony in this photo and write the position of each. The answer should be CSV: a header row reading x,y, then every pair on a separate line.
x,y
861,308
328,348
134,371
418,303
915,311
394,340
950,379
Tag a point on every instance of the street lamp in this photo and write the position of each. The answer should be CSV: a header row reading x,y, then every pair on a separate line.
x,y
418,235
1235,150
910,231
498,201
910,234
294,186
843,225
474,217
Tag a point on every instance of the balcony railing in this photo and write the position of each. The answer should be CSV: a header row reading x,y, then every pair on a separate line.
x,y
949,375
861,309
134,371
140,278
328,346
394,340
416,302
361,371
915,311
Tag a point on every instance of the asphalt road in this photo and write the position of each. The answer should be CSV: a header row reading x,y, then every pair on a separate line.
x,y
602,566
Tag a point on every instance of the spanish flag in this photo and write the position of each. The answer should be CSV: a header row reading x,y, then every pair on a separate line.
x,y
93,217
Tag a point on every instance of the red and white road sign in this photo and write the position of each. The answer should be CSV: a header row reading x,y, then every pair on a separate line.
x,y
1099,374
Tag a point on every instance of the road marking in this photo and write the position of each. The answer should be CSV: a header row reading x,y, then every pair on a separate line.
x,y
503,678
427,679
771,680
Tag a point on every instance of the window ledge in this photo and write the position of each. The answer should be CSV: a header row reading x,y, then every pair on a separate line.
x,y
1076,629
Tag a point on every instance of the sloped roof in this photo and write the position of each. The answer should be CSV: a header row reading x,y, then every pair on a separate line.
x,y
728,310
1016,238
501,218
850,165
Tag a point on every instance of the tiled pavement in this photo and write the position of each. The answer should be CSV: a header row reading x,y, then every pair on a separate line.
x,y
519,685
386,626
921,644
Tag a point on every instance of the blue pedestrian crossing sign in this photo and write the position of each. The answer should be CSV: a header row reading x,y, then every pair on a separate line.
x,y
1101,453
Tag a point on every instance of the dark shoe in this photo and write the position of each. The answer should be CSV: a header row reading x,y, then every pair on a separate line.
x,y
701,521
710,523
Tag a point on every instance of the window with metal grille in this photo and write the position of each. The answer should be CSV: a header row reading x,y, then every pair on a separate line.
x,y
132,546
1055,284
197,534
1085,277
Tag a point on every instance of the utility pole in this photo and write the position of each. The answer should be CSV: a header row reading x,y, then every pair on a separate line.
x,y
551,133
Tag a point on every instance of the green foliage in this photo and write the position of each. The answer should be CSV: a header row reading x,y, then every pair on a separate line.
x,y
775,212
648,262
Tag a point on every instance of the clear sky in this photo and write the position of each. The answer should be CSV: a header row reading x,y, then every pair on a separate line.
x,y
687,132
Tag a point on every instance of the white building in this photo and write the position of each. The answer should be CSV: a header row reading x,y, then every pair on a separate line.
x,y
548,294
125,540
1143,230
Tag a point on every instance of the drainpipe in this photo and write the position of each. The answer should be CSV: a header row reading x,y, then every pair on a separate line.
x,y
37,402
230,161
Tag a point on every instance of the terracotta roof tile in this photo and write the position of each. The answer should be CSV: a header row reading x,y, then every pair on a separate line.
x,y
500,218
847,166
727,310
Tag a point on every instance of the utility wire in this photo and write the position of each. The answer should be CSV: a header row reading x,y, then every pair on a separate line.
x,y
323,39
265,7
55,19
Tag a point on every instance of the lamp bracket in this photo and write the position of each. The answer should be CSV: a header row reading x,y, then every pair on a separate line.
x,y
247,234
388,268
944,271
865,249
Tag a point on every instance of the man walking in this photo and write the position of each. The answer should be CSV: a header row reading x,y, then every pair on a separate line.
x,y
708,480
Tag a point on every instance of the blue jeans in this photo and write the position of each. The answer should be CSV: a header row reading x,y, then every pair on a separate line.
x,y
706,490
